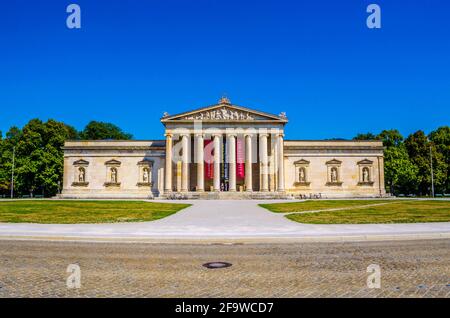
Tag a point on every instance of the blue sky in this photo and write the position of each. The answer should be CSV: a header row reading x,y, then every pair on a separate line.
x,y
315,60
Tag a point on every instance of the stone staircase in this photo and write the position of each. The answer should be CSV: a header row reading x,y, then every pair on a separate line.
x,y
227,196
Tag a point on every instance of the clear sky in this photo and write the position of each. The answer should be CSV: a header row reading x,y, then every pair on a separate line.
x,y
316,60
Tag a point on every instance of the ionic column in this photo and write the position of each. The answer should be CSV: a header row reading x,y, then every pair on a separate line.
x,y
217,151
168,167
248,163
184,163
200,162
264,162
280,163
232,162
381,176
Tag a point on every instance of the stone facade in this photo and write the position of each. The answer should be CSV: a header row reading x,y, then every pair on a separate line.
x,y
252,160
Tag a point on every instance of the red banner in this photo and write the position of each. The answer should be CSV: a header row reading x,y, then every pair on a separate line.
x,y
209,160
240,158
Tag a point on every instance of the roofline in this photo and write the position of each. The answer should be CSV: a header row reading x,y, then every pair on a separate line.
x,y
333,140
113,140
275,117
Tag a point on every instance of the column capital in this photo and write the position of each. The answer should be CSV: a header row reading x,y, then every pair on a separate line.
x,y
197,135
263,135
185,135
168,135
217,135
231,135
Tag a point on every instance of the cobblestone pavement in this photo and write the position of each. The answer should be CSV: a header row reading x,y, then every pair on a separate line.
x,y
408,269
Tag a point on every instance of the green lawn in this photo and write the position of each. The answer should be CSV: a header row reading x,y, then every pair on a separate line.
x,y
398,211
72,212
313,205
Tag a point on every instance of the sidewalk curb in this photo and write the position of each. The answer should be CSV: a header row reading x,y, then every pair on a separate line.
x,y
233,240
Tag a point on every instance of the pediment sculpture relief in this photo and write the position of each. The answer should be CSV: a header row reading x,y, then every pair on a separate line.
x,y
220,114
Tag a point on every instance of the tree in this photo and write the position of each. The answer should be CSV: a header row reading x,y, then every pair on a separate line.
x,y
97,130
401,174
441,138
11,139
391,138
418,148
39,157
366,136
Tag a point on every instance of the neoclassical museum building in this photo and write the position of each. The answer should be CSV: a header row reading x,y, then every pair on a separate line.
x,y
223,151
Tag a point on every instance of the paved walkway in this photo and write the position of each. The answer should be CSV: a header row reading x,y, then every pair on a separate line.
x,y
226,219
408,269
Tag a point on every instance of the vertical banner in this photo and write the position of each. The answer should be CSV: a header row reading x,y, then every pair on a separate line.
x,y
225,165
240,161
209,160
222,166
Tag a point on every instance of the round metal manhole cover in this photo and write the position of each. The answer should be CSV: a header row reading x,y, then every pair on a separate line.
x,y
215,265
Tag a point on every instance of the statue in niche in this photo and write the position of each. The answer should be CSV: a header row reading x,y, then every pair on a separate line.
x,y
81,174
302,175
365,176
113,175
145,175
334,175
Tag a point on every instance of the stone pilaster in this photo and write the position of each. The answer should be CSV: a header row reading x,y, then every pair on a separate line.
x,y
185,163
168,166
280,144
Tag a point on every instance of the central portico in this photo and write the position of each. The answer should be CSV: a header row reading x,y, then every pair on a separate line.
x,y
224,148
223,151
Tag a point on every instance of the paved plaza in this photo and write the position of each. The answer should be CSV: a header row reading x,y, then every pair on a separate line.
x,y
226,219
408,269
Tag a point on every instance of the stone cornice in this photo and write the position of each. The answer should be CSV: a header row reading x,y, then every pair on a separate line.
x,y
333,147
181,116
112,147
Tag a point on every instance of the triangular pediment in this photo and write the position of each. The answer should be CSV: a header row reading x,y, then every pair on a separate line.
x,y
333,162
224,111
365,162
81,162
113,162
301,162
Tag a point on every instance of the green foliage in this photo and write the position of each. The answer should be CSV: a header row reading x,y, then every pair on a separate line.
x,y
400,173
391,138
366,136
441,140
39,159
407,162
419,149
97,130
